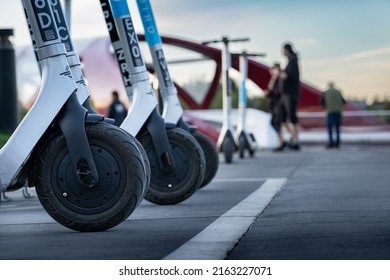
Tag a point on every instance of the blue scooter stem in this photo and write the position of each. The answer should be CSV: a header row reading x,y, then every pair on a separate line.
x,y
172,110
143,112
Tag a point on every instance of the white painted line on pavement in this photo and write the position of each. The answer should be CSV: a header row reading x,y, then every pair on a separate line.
x,y
215,241
239,180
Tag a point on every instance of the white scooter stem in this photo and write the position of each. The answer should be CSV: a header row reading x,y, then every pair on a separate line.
x,y
83,92
73,115
144,100
55,71
227,92
227,129
242,102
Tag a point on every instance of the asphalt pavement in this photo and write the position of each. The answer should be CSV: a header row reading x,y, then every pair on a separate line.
x,y
312,204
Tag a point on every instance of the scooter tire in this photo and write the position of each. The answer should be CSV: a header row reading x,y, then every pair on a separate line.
x,y
242,146
211,157
227,149
146,181
168,188
147,168
252,151
119,190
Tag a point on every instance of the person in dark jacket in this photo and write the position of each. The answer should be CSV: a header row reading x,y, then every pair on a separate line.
x,y
117,110
290,95
274,92
333,101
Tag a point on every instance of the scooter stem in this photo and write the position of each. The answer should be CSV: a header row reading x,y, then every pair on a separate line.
x,y
172,110
72,119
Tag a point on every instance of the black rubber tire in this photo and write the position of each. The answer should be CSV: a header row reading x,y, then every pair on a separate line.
x,y
252,151
187,175
119,190
242,145
211,157
227,149
146,181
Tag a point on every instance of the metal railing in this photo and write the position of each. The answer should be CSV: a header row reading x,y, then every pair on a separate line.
x,y
374,113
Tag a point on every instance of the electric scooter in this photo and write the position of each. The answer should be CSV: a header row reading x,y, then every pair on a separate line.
x,y
226,141
245,140
172,110
78,164
176,159
83,92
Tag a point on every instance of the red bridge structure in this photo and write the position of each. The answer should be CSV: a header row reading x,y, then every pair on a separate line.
x,y
259,74
102,80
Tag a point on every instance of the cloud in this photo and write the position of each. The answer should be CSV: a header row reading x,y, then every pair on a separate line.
x,y
306,42
364,73
357,56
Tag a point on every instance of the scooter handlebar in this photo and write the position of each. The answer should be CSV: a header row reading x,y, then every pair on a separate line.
x,y
246,54
226,40
246,39
210,42
254,54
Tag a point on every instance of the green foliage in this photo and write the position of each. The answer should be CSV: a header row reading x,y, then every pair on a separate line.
x,y
381,105
258,102
3,138
216,103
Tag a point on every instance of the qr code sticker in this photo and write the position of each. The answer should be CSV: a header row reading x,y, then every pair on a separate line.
x,y
50,35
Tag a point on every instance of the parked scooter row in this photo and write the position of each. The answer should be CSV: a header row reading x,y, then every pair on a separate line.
x,y
230,141
90,175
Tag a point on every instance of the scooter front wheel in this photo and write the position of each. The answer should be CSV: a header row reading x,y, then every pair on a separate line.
x,y
119,189
242,146
211,157
228,148
184,179
252,150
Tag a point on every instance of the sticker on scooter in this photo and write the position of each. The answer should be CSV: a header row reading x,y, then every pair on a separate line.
x,y
61,25
133,42
45,20
109,21
120,55
149,23
164,68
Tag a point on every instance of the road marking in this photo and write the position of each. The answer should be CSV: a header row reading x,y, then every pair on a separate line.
x,y
215,241
239,180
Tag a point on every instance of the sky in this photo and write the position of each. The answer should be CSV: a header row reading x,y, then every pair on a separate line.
x,y
345,41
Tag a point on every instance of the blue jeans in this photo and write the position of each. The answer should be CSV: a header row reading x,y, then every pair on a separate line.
x,y
334,120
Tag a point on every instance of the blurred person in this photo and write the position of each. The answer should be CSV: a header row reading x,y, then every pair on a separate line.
x,y
274,92
290,94
117,110
333,101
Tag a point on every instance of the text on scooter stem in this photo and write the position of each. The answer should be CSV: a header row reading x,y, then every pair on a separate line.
x,y
61,25
45,19
133,42
164,68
